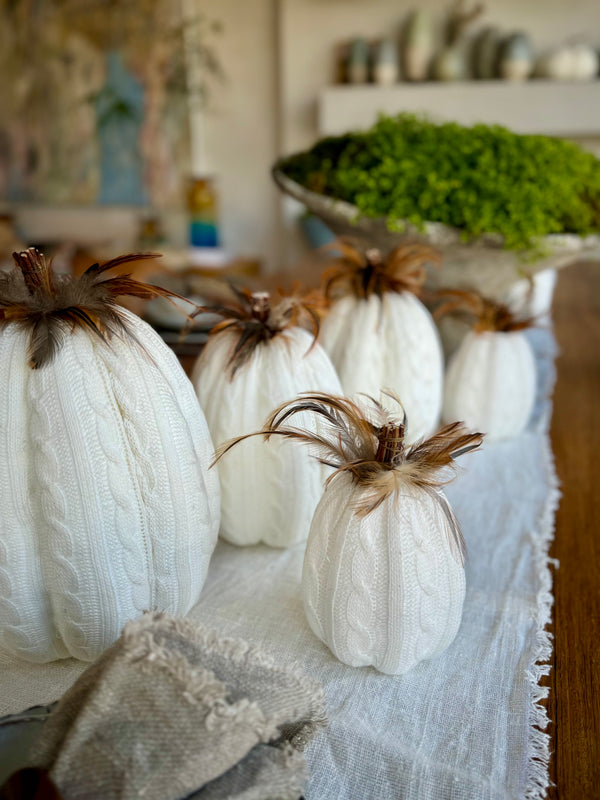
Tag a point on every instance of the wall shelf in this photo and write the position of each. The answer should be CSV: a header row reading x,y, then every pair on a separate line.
x,y
536,106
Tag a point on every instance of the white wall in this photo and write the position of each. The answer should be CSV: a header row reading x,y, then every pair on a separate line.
x,y
240,126
311,28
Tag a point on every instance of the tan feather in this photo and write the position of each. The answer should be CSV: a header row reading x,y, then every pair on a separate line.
x,y
255,320
488,314
367,441
50,307
366,273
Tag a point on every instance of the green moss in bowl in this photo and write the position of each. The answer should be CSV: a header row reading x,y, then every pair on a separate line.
x,y
483,179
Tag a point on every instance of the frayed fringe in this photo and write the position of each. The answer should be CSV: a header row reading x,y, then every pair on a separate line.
x,y
200,686
538,754
141,640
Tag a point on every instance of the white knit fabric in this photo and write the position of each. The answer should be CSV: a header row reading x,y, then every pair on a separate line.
x,y
490,384
462,726
533,299
269,490
386,589
389,343
108,507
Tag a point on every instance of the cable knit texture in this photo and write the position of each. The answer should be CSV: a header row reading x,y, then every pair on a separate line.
x,y
490,384
269,491
386,589
108,504
391,343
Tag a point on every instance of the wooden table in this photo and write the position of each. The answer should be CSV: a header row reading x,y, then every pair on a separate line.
x,y
574,703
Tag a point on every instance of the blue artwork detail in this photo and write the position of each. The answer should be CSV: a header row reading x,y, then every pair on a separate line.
x,y
119,116
203,234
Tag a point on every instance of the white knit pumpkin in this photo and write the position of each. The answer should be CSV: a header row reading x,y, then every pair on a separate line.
x,y
268,494
490,383
387,338
386,589
108,506
533,299
383,580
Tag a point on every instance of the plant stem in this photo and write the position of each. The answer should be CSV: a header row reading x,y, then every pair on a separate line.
x,y
260,306
391,443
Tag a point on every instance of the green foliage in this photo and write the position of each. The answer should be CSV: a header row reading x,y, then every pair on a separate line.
x,y
480,179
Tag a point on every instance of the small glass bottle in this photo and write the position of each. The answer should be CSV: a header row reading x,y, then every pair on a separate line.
x,y
203,211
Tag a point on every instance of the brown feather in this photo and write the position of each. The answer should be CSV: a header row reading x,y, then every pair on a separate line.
x,y
255,321
367,441
368,273
51,307
97,269
489,315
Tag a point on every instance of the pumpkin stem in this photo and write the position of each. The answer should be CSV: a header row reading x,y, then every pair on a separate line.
x,y
488,314
52,308
390,444
260,306
37,274
366,273
374,263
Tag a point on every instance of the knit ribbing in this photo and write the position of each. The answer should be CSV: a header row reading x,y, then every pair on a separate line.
x,y
269,490
112,493
389,343
183,531
23,606
122,454
54,537
103,523
391,592
490,383
360,606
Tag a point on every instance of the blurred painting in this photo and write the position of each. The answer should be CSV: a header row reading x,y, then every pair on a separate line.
x,y
94,102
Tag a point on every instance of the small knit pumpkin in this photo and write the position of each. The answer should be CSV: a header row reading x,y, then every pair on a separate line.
x,y
383,579
378,333
108,505
256,358
491,378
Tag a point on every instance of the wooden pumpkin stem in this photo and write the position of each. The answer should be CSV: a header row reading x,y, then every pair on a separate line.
x,y
367,273
255,320
374,264
486,314
50,308
391,444
373,256
37,273
260,306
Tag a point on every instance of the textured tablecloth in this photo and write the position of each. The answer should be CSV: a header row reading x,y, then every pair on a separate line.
x,y
464,726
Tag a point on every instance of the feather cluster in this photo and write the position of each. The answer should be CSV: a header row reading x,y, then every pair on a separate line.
x,y
50,306
368,273
255,320
489,315
367,441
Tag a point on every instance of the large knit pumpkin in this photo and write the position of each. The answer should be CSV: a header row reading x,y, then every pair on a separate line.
x,y
108,505
255,359
383,579
379,333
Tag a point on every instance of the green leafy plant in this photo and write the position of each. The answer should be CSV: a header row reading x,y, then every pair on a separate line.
x,y
483,179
